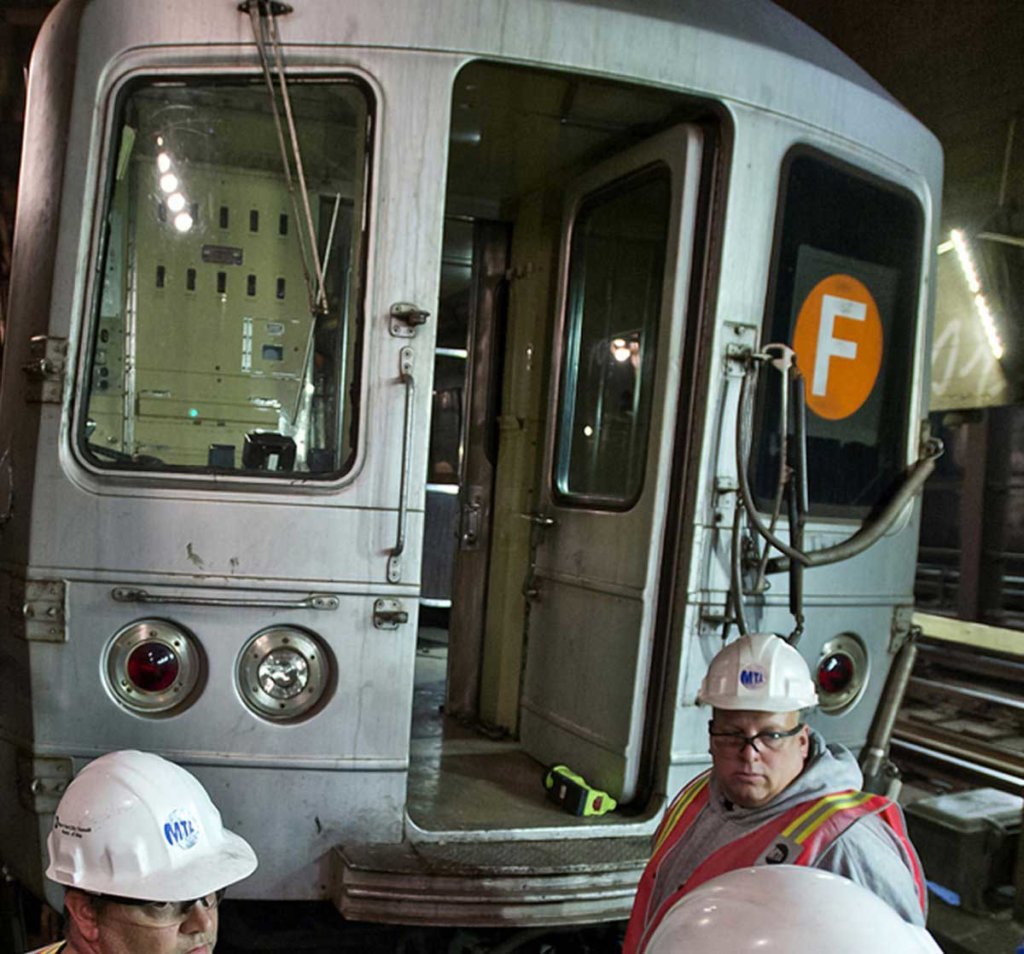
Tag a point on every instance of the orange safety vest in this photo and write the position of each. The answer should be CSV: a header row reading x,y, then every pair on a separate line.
x,y
798,836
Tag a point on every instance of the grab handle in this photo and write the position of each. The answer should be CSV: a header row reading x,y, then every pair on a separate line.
x,y
315,601
407,379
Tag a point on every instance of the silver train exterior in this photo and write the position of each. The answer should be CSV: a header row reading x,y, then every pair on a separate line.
x,y
494,323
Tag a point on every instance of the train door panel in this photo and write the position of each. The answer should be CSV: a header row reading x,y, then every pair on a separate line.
x,y
598,532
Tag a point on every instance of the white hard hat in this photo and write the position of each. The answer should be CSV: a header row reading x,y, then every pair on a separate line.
x,y
135,825
760,672
779,909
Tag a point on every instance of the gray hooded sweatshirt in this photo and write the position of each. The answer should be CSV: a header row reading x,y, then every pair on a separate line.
x,y
868,852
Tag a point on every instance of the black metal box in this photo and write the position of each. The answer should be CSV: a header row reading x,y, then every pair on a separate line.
x,y
967,842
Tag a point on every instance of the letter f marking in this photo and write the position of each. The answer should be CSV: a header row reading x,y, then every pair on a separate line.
x,y
829,346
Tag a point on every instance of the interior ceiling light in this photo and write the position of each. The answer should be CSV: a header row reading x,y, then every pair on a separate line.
x,y
988,322
620,349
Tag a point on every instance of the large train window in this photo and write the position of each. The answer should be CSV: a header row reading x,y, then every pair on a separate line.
x,y
226,331
616,264
844,296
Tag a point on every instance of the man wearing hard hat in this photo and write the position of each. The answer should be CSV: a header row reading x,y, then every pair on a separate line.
x,y
775,794
144,857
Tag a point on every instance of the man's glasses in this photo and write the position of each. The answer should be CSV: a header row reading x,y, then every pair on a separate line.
x,y
737,741
166,913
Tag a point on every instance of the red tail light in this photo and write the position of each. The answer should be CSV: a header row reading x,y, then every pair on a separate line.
x,y
841,673
835,673
153,667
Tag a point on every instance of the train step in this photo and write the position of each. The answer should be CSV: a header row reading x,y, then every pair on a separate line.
x,y
507,883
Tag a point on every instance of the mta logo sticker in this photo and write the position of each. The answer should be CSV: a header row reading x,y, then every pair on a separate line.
x,y
752,677
180,830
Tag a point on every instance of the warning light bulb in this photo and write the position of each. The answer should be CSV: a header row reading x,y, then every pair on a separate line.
x,y
169,182
183,222
163,162
176,202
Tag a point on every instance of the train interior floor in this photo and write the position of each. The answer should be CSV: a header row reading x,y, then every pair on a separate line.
x,y
462,777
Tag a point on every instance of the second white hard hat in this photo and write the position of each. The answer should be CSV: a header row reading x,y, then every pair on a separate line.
x,y
760,671
134,825
780,909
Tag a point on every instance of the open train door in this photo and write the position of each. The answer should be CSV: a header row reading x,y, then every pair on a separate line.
x,y
599,531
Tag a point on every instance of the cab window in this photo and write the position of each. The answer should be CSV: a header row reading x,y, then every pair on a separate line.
x,y
613,301
844,296
225,335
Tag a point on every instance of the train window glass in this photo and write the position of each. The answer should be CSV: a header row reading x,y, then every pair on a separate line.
x,y
237,362
613,300
844,295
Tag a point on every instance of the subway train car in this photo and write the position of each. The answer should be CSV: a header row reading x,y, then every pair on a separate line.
x,y
588,332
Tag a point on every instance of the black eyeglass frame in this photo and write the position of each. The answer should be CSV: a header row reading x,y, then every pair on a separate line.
x,y
752,740
181,908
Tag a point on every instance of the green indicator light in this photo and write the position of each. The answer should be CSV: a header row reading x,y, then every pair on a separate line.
x,y
193,412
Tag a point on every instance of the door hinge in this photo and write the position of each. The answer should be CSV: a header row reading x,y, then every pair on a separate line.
x,y
389,614
37,610
41,782
45,372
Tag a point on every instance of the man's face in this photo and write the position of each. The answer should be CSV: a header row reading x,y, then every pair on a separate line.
x,y
749,776
125,929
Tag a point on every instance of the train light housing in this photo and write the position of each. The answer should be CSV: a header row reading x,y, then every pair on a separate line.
x,y
841,673
284,674
153,667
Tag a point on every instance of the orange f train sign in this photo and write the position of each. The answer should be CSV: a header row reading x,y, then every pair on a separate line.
x,y
838,342
841,309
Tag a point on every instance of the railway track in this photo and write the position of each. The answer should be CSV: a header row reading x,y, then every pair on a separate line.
x,y
962,718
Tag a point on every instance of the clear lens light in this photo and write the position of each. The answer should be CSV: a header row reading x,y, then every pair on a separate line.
x,y
183,222
176,202
283,673
163,162
169,182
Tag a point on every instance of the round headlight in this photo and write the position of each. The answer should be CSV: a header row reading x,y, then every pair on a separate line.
x,y
283,673
841,672
153,667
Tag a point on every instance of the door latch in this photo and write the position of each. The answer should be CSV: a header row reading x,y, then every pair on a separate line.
x,y
470,519
406,318
389,614
45,372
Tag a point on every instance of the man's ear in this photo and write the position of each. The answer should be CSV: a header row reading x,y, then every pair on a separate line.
x,y
81,910
805,741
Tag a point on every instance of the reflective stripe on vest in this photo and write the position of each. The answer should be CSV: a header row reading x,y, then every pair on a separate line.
x,y
52,949
799,836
